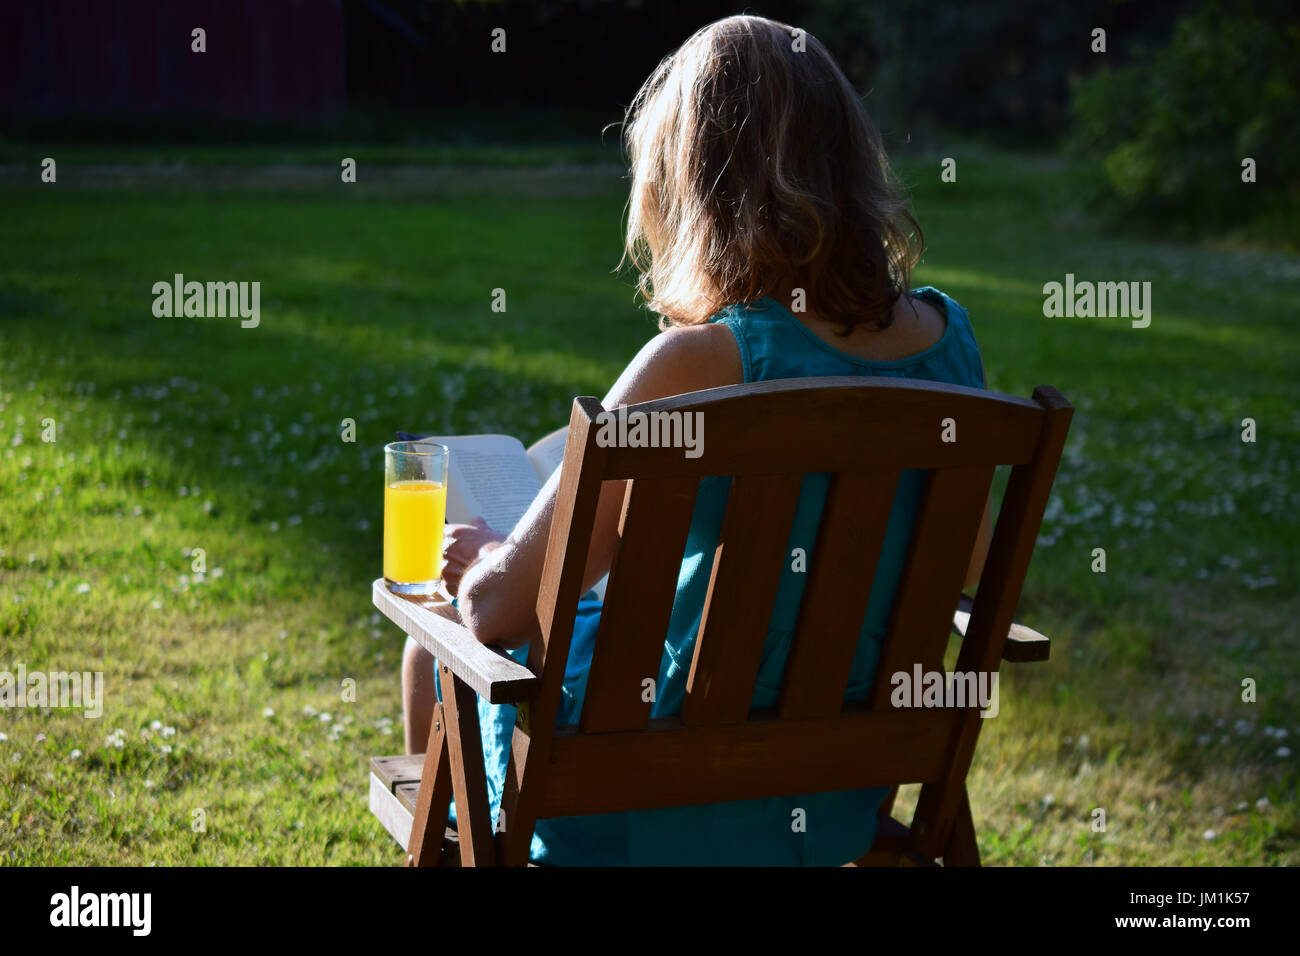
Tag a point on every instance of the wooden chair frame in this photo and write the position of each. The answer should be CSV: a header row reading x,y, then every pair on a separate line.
x,y
864,432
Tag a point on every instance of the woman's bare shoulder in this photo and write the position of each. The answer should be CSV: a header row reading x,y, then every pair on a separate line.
x,y
918,324
681,359
707,354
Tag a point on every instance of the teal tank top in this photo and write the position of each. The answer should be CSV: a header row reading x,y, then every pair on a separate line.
x,y
833,828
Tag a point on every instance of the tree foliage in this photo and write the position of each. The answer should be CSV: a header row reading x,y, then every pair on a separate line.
x,y
1171,129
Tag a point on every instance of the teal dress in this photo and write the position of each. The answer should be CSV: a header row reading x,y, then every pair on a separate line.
x,y
833,828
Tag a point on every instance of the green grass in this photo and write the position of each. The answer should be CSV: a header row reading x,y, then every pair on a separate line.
x,y
176,434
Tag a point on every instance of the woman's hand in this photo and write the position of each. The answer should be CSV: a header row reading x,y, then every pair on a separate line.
x,y
462,545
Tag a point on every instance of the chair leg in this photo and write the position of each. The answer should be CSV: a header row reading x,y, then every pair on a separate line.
x,y
961,849
430,821
468,777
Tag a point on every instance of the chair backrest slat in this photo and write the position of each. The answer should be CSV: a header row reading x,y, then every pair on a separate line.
x,y
669,765
747,567
943,538
841,569
638,603
821,424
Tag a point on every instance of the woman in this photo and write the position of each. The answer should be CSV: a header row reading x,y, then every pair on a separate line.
x,y
771,241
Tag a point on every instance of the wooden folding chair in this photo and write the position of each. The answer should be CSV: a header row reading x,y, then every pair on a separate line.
x,y
864,432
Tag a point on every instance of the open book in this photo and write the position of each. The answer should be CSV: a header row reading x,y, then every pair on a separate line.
x,y
496,478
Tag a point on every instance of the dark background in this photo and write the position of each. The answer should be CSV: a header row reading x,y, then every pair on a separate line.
x,y
989,66
1158,123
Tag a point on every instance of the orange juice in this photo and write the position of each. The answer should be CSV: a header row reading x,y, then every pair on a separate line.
x,y
414,512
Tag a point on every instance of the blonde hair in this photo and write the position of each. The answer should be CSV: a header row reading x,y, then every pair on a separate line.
x,y
755,169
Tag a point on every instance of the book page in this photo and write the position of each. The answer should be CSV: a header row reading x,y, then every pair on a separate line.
x,y
490,476
547,452
458,511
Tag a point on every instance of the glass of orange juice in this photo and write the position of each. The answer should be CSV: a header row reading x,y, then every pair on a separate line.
x,y
415,508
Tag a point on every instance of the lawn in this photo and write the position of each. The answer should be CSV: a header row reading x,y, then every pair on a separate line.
x,y
245,686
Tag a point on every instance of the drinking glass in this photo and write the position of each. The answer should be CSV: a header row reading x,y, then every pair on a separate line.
x,y
415,508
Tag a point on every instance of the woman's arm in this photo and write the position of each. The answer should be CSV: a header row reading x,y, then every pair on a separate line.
x,y
498,593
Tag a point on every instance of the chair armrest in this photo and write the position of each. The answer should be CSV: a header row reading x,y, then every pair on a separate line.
x,y
1024,645
435,624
